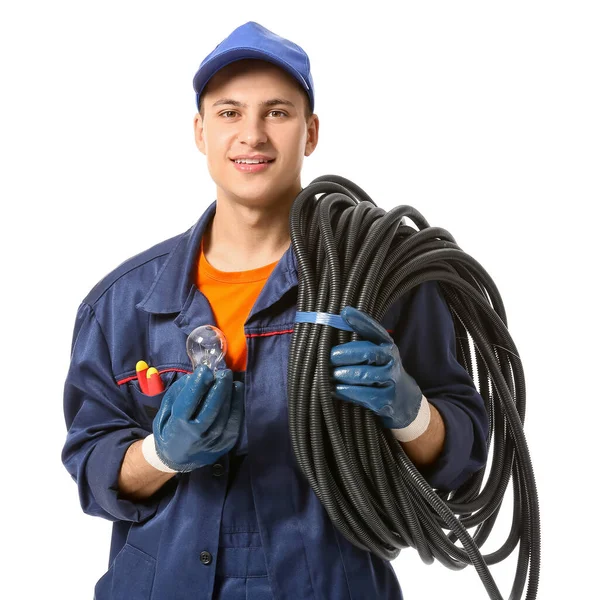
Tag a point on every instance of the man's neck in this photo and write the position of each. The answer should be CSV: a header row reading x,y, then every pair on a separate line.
x,y
239,239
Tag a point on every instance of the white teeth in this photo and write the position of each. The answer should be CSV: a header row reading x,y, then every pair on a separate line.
x,y
250,162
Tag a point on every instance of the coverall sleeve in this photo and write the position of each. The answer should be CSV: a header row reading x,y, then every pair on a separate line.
x,y
100,426
425,336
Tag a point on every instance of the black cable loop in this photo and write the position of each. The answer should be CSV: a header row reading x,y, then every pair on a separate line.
x,y
351,252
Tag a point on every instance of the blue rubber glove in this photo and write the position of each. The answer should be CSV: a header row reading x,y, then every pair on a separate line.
x,y
370,372
199,419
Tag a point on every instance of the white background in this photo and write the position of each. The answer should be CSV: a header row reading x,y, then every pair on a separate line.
x,y
475,113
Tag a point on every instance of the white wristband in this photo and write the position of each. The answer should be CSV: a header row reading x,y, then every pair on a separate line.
x,y
148,448
418,426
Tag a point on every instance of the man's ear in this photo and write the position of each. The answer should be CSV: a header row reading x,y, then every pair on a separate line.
x,y
198,127
313,131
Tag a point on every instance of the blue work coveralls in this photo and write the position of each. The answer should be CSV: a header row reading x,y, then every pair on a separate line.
x,y
254,501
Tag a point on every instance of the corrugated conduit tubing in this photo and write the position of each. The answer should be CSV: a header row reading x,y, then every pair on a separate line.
x,y
351,252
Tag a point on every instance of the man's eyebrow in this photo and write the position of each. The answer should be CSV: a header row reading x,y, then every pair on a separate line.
x,y
273,102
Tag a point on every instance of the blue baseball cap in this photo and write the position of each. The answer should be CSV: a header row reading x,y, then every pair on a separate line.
x,y
252,40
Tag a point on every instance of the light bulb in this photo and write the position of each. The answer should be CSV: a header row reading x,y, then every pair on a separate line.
x,y
206,345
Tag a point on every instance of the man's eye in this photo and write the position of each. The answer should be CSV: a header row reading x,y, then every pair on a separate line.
x,y
231,113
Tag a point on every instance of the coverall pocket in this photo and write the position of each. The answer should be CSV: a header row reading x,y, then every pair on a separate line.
x,y
130,577
148,406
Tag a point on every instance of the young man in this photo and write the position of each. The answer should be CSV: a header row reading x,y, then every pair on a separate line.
x,y
200,480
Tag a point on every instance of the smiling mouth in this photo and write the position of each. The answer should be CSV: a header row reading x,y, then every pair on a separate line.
x,y
262,162
252,168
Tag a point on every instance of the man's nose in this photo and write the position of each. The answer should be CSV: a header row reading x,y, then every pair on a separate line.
x,y
253,131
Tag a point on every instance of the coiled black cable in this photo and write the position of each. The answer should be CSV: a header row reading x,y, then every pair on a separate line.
x,y
351,252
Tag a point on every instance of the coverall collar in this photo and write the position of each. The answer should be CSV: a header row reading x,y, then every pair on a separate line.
x,y
173,288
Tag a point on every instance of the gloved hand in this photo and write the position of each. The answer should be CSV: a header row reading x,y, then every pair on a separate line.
x,y
370,372
199,419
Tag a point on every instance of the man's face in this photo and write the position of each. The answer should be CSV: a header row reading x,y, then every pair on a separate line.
x,y
278,131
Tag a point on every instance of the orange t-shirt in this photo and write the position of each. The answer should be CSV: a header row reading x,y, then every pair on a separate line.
x,y
232,295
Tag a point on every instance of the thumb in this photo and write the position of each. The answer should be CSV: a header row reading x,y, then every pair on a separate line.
x,y
367,327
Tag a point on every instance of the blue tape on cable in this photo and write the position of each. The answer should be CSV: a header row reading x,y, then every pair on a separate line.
x,y
323,319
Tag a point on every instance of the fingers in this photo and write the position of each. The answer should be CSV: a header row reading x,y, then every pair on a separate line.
x,y
220,420
360,352
364,376
188,397
376,399
367,327
163,415
214,401
235,420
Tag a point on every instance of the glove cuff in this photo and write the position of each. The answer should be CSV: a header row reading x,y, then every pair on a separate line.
x,y
418,426
148,448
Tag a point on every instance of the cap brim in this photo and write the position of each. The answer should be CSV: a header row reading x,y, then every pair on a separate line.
x,y
209,69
